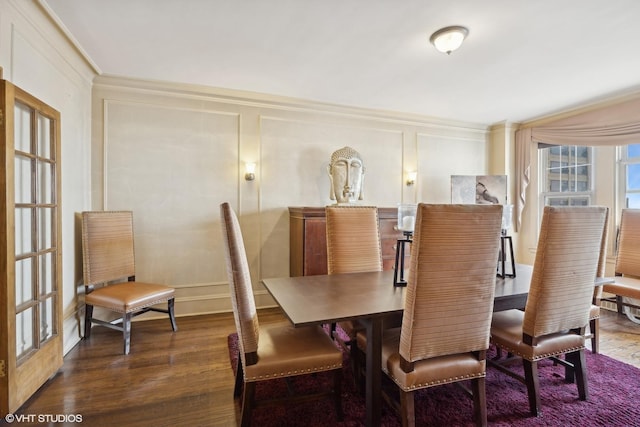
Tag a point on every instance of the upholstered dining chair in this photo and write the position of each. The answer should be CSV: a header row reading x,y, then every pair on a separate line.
x,y
107,259
627,268
594,312
449,300
353,245
560,297
273,351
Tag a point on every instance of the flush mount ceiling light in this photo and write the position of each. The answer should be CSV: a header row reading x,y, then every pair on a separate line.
x,y
448,39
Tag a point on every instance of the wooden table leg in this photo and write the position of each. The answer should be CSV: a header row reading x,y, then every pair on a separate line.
x,y
374,372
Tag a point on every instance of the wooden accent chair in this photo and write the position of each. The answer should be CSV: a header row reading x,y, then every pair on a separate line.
x,y
353,245
557,310
449,300
108,258
627,270
274,351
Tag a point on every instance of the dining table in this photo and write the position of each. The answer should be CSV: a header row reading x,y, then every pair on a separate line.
x,y
369,297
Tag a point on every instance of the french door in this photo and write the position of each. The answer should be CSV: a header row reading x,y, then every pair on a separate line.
x,y
30,253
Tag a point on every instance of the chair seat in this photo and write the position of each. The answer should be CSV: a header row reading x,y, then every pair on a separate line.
x,y
285,351
127,297
429,372
594,312
506,332
624,286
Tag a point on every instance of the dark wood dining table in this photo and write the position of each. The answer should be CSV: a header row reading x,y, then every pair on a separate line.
x,y
369,297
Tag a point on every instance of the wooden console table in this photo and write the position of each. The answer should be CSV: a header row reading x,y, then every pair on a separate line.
x,y
308,240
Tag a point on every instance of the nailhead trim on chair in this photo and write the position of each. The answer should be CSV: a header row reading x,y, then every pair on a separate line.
x,y
542,356
294,373
437,382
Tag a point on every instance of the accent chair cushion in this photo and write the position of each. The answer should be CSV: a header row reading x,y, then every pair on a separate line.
x,y
506,332
285,351
129,296
428,372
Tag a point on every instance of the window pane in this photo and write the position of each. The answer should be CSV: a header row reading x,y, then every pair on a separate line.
x,y
23,227
633,176
23,180
47,273
44,137
24,332
24,281
568,169
633,150
45,230
633,201
22,128
45,182
46,319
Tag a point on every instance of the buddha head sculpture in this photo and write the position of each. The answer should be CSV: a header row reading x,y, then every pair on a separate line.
x,y
346,173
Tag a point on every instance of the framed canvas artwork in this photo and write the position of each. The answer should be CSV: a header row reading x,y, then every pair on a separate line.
x,y
479,189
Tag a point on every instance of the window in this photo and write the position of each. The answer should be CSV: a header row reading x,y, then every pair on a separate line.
x,y
630,159
566,175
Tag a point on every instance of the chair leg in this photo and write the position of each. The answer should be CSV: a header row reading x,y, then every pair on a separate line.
x,y
239,378
577,358
479,401
88,315
126,331
247,403
533,386
172,314
619,304
407,409
337,393
354,354
594,325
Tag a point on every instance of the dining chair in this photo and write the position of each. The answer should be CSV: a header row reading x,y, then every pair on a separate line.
x,y
444,335
107,259
594,311
560,297
627,269
353,246
273,351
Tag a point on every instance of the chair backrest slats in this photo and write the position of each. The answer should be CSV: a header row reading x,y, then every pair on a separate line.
x,y
353,239
451,283
242,299
567,261
108,248
628,258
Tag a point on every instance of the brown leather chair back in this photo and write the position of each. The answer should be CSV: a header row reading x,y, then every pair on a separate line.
x,y
242,300
567,258
353,239
108,249
451,284
628,258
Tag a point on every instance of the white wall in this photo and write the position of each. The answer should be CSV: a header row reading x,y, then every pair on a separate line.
x,y
172,153
36,57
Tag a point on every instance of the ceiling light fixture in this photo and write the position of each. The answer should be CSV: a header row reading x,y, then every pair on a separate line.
x,y
448,39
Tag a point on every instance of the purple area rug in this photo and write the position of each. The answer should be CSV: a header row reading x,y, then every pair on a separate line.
x,y
614,389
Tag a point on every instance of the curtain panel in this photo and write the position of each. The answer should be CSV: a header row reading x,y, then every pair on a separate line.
x,y
617,124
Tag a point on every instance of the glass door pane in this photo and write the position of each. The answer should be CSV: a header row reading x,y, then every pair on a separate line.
x,y
35,207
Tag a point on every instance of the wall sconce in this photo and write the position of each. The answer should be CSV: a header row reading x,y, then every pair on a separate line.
x,y
411,178
250,171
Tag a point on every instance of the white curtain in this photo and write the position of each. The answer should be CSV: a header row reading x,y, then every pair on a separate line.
x,y
617,124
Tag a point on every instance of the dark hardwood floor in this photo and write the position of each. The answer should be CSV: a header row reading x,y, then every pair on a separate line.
x,y
184,378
